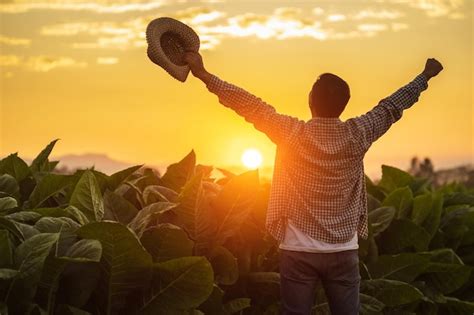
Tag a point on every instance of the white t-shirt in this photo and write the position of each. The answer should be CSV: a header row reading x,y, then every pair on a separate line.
x,y
296,240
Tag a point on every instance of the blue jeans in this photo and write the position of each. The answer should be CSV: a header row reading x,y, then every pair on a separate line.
x,y
338,273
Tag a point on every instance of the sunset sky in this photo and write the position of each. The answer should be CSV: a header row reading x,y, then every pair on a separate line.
x,y
77,70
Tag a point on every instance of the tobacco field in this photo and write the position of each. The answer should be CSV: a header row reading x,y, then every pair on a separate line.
x,y
184,242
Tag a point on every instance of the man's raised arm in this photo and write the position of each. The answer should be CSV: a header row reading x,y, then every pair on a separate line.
x,y
377,121
279,128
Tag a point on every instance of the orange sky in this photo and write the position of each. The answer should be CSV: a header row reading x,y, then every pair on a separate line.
x,y
77,70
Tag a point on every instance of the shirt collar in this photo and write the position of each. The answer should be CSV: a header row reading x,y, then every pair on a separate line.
x,y
326,119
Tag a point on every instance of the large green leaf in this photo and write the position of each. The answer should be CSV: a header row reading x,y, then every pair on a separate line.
x,y
403,234
457,224
263,283
213,305
65,309
83,251
147,214
8,274
152,194
27,230
190,206
236,305
224,265
391,292
178,174
403,267
76,214
455,306
180,284
370,305
118,208
101,179
125,264
393,178
24,216
432,221
51,165
56,225
50,212
134,191
9,185
446,271
422,205
189,200
70,212
445,255
234,203
117,178
459,198
12,227
381,218
6,258
40,163
29,259
65,226
50,185
7,203
377,192
14,166
166,241
87,197
447,278
401,199
150,178
195,214
163,192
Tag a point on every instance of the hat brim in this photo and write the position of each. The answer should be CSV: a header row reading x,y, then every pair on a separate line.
x,y
167,40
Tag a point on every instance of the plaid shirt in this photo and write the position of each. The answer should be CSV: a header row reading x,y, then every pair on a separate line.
x,y
318,178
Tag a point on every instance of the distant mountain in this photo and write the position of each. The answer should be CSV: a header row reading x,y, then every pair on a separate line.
x,y
100,162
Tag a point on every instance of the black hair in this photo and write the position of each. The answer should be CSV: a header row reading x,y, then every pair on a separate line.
x,y
329,95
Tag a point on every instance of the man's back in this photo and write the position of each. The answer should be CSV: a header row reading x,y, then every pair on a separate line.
x,y
319,178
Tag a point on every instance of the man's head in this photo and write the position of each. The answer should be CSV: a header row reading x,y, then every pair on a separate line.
x,y
329,96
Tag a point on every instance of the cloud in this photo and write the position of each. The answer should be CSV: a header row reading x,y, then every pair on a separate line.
x,y
372,27
9,60
12,41
113,35
107,60
377,14
90,28
213,26
318,11
40,63
131,33
435,8
99,6
280,25
336,17
197,15
399,26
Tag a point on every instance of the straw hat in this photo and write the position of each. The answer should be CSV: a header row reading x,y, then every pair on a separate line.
x,y
168,39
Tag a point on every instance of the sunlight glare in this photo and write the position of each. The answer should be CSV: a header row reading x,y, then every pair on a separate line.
x,y
252,158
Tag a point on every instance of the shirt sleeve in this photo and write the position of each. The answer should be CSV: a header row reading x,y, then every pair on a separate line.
x,y
279,128
372,125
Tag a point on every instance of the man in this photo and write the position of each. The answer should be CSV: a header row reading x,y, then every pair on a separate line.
x,y
318,207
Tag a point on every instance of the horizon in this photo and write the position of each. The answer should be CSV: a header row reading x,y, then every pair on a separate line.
x,y
79,71
373,168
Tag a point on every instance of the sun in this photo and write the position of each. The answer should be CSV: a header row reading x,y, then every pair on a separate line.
x,y
251,158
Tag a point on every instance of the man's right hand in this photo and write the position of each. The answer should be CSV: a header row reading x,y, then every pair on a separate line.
x,y
194,60
432,68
